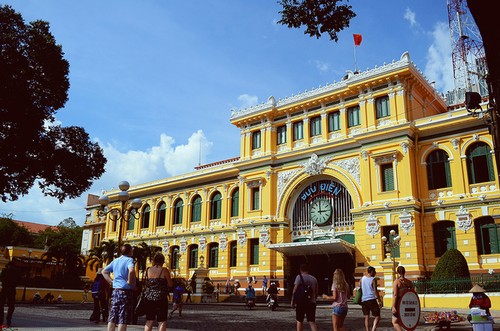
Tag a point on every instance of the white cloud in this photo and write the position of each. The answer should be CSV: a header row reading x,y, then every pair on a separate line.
x,y
135,166
439,67
247,100
321,66
410,17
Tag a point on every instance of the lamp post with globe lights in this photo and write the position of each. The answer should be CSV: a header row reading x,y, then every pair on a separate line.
x,y
120,214
28,276
391,244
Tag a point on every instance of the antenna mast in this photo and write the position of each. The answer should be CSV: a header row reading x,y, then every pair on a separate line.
x,y
468,56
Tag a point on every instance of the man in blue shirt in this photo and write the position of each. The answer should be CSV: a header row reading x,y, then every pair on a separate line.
x,y
122,299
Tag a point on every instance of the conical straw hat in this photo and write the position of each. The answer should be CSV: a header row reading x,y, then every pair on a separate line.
x,y
476,289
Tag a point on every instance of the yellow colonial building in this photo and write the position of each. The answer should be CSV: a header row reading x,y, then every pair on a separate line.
x,y
322,177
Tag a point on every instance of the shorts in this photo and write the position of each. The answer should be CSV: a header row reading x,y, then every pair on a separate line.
x,y
157,310
339,311
370,305
308,309
122,307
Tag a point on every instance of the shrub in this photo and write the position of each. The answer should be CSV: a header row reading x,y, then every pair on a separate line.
x,y
451,267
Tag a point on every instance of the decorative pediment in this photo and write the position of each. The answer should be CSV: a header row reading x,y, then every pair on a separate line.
x,y
464,219
315,165
372,225
406,221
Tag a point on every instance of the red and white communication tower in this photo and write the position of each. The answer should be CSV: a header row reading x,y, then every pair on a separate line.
x,y
468,56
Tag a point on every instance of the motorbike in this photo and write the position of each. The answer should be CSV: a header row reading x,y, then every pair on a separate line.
x,y
250,303
272,303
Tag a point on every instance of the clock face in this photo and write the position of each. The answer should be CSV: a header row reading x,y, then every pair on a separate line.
x,y
321,211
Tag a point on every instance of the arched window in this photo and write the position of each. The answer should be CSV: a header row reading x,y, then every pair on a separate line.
x,y
193,256
235,203
160,217
145,217
178,207
438,170
196,209
444,237
480,163
233,253
132,214
213,257
216,206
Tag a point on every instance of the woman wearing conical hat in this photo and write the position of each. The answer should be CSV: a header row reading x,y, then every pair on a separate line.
x,y
479,299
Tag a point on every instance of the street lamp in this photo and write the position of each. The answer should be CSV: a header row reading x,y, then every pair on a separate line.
x,y
391,244
29,271
120,214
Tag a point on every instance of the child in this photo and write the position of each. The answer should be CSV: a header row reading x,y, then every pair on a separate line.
x,y
178,293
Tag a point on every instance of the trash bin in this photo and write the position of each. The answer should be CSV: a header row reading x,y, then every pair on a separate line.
x,y
482,325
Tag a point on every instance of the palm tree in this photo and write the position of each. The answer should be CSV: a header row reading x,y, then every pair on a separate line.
x,y
142,253
102,254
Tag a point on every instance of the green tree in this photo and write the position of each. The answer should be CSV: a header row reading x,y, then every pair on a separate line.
x,y
63,249
142,253
33,86
13,234
102,254
451,267
318,16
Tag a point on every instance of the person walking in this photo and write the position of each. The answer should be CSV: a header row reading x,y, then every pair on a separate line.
x,y
264,286
177,297
9,279
122,298
398,288
307,308
370,299
99,292
156,284
340,293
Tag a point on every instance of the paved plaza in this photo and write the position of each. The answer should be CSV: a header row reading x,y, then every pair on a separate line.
x,y
213,317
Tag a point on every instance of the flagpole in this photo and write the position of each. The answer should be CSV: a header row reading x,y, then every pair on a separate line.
x,y
355,62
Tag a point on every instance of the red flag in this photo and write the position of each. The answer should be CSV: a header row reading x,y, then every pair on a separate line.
x,y
357,39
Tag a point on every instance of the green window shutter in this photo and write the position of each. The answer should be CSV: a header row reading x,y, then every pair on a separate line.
x,y
196,217
235,203
387,177
131,219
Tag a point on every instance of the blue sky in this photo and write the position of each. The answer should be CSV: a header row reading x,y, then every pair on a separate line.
x,y
152,81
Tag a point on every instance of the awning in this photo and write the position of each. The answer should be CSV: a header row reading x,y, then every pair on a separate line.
x,y
319,247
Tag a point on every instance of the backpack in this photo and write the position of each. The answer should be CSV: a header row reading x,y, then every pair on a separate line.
x,y
96,288
303,294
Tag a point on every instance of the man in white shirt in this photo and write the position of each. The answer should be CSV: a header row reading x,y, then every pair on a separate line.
x,y
370,299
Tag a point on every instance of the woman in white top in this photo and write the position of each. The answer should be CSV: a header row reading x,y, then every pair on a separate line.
x,y
340,293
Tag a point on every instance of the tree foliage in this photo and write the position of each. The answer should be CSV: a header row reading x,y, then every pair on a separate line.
x,y
451,265
33,86
13,234
318,16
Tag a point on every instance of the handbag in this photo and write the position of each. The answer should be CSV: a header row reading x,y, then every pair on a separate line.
x,y
357,296
140,308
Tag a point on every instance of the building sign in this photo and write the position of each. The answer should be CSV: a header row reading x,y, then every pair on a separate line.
x,y
322,188
409,310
